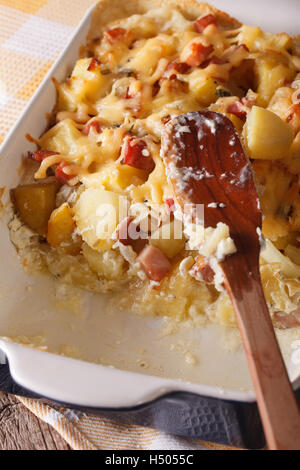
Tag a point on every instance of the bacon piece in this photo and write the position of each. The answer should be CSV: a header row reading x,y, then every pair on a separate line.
x,y
135,105
214,60
180,67
154,263
238,54
129,234
217,60
203,22
287,320
244,46
95,125
165,119
198,54
202,269
40,155
31,139
155,88
136,154
94,64
128,95
238,110
60,175
294,111
123,231
115,34
241,48
170,204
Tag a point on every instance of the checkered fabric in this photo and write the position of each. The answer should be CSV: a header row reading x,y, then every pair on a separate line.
x,y
32,33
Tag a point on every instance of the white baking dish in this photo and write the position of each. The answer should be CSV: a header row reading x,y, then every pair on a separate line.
x,y
146,364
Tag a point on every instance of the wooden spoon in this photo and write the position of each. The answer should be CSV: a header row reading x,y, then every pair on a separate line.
x,y
206,164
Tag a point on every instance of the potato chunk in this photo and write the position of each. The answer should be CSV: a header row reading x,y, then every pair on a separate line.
x,y
97,214
267,136
117,177
35,203
249,36
147,57
86,83
270,75
87,80
169,238
61,230
109,265
203,87
63,138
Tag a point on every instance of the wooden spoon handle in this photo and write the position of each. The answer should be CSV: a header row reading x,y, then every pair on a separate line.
x,y
275,397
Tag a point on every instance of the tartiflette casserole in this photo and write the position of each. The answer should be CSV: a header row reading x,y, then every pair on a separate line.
x,y
145,62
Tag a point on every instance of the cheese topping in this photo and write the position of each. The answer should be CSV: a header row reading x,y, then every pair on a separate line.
x,y
141,72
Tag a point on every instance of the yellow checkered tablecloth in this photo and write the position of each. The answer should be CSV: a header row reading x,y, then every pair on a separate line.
x,y
32,33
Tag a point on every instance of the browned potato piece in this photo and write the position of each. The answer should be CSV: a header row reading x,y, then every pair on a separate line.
x,y
61,228
34,203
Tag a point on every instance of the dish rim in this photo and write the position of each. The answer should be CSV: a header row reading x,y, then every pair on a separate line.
x,y
24,361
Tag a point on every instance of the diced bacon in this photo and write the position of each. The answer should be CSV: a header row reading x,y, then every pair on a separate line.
x,y
243,46
129,234
170,204
203,22
198,54
217,60
32,139
287,320
123,230
154,263
95,125
238,110
128,95
165,119
214,60
115,34
135,99
60,175
202,270
155,88
293,111
136,154
40,155
180,67
94,64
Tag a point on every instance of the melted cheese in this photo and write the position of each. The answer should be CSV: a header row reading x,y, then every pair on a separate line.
x,y
132,89
128,85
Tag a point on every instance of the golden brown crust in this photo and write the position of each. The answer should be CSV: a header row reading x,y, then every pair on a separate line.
x,y
108,11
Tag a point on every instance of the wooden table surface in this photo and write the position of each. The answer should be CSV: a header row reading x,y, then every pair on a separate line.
x,y
22,430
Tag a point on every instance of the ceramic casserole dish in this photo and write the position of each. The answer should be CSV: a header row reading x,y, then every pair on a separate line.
x,y
63,345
